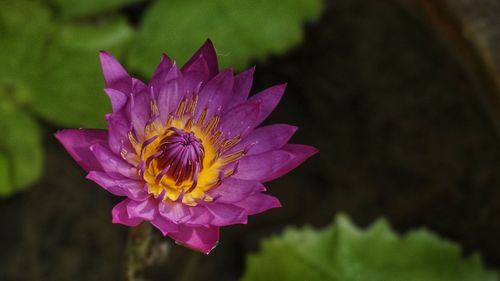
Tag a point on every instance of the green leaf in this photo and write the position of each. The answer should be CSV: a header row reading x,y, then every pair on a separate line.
x,y
342,252
69,89
80,8
242,30
20,151
24,26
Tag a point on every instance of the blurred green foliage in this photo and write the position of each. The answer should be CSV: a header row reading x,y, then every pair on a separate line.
x,y
49,57
241,30
342,252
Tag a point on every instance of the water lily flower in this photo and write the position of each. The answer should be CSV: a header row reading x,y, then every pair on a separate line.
x,y
185,150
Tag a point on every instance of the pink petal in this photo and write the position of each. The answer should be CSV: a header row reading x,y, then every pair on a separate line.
x,y
165,226
269,99
111,163
115,75
120,215
271,165
203,239
146,209
174,211
265,139
209,54
119,186
234,190
226,214
77,143
258,203
241,88
200,216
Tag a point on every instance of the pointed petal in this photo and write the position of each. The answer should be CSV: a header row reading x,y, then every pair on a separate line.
x,y
174,211
271,165
258,203
196,76
111,163
203,239
78,142
120,215
165,226
170,93
200,216
216,94
139,111
117,99
119,186
241,88
118,127
208,52
240,120
269,99
161,71
115,76
265,139
234,190
226,214
146,209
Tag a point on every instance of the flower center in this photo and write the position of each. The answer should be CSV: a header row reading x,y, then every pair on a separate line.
x,y
185,156
181,156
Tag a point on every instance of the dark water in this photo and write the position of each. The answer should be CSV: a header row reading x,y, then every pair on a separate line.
x,y
401,132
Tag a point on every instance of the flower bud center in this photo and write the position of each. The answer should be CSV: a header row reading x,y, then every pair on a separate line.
x,y
182,155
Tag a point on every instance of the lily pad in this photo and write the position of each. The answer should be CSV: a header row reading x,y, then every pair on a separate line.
x,y
69,89
24,26
243,30
343,252
20,150
79,8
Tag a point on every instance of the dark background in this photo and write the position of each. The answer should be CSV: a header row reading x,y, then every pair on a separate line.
x,y
400,105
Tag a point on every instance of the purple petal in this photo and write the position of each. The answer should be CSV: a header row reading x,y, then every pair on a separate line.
x,y
117,98
258,203
146,209
240,120
234,190
77,143
265,139
139,111
115,75
203,239
216,93
118,127
200,216
241,88
120,215
174,211
196,76
207,51
226,214
269,99
161,71
170,93
271,165
111,163
119,186
165,226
